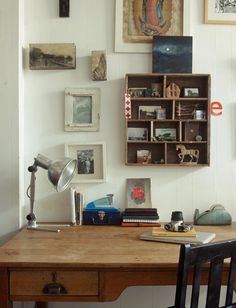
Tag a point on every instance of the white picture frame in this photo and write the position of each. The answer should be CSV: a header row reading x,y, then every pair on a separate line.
x,y
215,14
121,46
82,109
91,161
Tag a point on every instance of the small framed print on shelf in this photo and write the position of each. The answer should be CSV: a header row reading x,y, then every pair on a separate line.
x,y
147,112
82,109
161,114
91,159
191,92
137,92
165,134
137,134
144,156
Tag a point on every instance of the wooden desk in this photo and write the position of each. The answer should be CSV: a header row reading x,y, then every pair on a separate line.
x,y
92,263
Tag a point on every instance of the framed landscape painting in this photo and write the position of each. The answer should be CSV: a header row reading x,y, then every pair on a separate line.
x,y
220,12
52,56
138,20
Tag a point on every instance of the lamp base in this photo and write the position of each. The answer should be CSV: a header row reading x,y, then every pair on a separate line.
x,y
37,228
32,224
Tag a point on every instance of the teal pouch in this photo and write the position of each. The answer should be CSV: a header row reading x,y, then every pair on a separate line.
x,y
216,215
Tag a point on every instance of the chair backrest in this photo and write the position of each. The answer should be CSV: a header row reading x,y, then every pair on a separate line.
x,y
196,257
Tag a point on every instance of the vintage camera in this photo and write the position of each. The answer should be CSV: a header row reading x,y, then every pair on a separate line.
x,y
177,223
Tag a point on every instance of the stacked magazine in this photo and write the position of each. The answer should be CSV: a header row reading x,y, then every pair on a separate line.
x,y
140,217
192,237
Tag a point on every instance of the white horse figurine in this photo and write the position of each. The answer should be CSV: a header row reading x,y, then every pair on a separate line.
x,y
192,153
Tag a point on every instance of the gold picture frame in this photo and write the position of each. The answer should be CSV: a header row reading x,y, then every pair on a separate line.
x,y
217,12
142,46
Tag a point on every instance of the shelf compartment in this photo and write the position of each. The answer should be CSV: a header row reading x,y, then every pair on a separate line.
x,y
166,131
200,81
157,109
157,152
194,131
173,158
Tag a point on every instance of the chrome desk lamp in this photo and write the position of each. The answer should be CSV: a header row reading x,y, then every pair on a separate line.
x,y
60,173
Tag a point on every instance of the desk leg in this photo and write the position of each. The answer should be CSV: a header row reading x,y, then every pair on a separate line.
x,y
4,289
41,305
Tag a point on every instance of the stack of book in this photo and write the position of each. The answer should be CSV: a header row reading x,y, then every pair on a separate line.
x,y
76,203
140,217
191,237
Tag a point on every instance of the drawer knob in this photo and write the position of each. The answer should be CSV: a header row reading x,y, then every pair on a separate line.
x,y
54,288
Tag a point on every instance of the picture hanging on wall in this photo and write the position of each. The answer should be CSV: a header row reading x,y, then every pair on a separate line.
x,y
82,109
137,21
138,193
220,12
52,56
91,159
172,54
99,65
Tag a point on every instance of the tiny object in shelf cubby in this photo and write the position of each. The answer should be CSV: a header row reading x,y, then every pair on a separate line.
x,y
158,124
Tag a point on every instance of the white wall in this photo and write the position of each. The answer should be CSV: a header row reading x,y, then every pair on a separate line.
x,y
10,64
91,27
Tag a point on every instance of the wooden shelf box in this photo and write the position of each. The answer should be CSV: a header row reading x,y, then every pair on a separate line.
x,y
161,122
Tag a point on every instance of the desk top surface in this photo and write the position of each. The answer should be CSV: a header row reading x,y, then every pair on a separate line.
x,y
95,247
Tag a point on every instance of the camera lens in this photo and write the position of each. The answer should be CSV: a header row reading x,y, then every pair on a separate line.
x,y
177,216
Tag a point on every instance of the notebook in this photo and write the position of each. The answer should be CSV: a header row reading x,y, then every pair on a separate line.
x,y
201,238
162,232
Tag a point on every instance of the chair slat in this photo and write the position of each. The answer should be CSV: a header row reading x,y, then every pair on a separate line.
x,y
196,285
196,257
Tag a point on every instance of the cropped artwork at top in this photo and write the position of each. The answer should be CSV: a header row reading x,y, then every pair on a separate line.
x,y
225,6
144,18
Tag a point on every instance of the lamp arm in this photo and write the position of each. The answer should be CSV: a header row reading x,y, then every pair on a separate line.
x,y
32,191
31,194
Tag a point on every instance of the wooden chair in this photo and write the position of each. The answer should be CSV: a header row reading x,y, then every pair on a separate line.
x,y
195,258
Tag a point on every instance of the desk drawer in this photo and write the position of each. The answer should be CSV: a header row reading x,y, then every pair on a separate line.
x,y
33,282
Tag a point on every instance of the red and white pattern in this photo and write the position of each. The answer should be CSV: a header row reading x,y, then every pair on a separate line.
x,y
127,106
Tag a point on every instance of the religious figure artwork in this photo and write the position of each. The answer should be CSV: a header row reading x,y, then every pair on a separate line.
x,y
99,65
144,18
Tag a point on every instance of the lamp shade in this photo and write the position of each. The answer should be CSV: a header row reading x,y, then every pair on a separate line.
x,y
60,173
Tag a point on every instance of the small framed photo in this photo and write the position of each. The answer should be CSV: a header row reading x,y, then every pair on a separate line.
x,y
191,92
82,109
138,193
199,114
91,159
144,156
165,134
147,112
137,134
137,92
52,56
161,114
